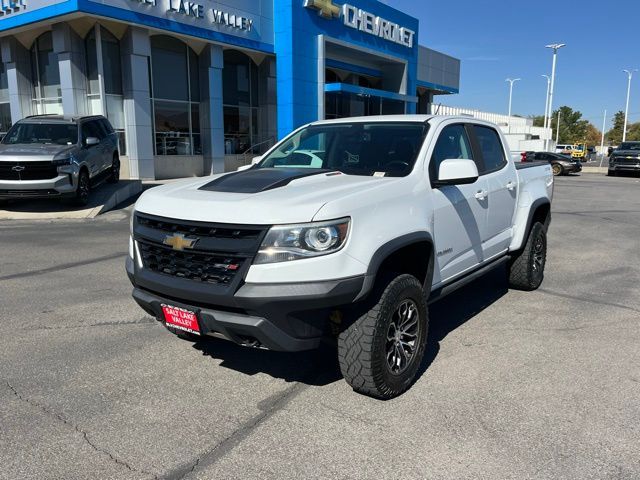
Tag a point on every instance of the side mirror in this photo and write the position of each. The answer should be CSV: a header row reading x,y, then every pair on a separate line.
x,y
91,141
254,161
457,171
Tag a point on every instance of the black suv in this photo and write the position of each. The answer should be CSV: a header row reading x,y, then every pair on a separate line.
x,y
625,158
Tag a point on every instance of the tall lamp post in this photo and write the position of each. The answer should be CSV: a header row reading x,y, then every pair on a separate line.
x,y
555,47
511,82
546,100
626,109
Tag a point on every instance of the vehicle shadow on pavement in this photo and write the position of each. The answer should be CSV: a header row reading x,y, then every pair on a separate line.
x,y
320,367
460,306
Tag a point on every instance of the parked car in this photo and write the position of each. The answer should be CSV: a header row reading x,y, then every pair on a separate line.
x,y
402,211
560,164
625,158
55,156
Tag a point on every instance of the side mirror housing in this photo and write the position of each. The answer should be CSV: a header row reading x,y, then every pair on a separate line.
x,y
91,141
254,161
457,171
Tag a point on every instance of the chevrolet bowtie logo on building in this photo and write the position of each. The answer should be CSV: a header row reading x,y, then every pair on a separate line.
x,y
178,241
326,8
358,19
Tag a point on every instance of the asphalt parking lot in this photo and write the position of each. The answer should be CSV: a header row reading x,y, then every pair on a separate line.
x,y
515,385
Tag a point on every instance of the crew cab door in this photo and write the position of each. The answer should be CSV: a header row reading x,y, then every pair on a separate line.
x,y
92,154
459,211
502,187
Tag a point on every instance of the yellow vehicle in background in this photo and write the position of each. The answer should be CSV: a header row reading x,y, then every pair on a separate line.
x,y
579,150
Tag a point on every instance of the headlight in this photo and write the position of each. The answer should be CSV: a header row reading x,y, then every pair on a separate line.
x,y
61,162
284,243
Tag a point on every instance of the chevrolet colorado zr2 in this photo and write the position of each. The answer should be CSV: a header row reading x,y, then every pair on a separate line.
x,y
346,227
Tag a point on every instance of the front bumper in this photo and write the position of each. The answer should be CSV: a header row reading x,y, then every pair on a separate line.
x,y
624,167
573,167
284,317
60,186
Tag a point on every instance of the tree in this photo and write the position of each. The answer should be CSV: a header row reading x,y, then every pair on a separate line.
x,y
593,135
633,132
614,136
572,128
538,120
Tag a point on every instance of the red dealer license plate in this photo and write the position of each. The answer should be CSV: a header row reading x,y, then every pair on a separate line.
x,y
181,318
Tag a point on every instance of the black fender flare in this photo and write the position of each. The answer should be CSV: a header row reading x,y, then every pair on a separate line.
x,y
387,249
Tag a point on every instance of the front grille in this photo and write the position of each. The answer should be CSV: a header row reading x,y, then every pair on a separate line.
x,y
626,161
27,171
220,253
199,230
197,266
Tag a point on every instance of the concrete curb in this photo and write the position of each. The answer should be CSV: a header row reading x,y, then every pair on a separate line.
x,y
128,190
106,197
594,169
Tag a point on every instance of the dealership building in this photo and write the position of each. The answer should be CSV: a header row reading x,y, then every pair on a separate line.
x,y
194,87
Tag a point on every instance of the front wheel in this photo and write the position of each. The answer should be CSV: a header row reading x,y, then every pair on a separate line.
x,y
381,352
611,173
114,173
83,189
526,269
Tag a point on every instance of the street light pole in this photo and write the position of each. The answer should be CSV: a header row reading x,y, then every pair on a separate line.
x,y
511,82
555,47
626,109
604,126
558,128
546,101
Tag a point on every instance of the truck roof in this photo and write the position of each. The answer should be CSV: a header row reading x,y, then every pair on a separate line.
x,y
402,118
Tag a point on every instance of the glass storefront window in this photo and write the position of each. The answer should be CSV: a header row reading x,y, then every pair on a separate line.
x,y
109,103
175,95
47,94
345,104
240,99
5,109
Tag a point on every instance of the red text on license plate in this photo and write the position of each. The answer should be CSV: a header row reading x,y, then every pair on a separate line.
x,y
180,318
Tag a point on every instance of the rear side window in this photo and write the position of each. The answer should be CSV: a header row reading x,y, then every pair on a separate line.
x,y
106,126
491,148
453,142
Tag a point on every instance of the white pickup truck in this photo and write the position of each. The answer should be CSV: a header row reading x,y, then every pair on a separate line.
x,y
347,228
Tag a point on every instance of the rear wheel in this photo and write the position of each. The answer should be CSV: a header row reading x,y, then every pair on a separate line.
x,y
83,189
557,169
114,174
526,270
381,352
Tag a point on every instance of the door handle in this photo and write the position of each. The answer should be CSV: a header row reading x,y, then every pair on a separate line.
x,y
511,185
481,194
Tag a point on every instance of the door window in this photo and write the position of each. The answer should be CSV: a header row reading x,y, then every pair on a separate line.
x,y
491,147
92,129
453,142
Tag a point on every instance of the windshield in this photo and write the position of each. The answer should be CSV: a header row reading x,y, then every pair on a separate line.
x,y
629,146
42,133
369,149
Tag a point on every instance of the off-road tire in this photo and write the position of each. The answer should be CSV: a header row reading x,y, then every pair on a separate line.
x,y
526,270
114,174
83,190
362,347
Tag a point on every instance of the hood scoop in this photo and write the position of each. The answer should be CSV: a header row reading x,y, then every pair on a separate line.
x,y
259,179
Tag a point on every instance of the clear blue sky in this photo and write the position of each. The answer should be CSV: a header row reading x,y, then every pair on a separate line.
x,y
496,39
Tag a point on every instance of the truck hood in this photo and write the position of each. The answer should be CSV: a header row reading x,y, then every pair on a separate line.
x,y
626,153
26,152
255,197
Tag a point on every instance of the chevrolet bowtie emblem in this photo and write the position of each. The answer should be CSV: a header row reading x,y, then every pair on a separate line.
x,y
19,168
178,241
326,8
